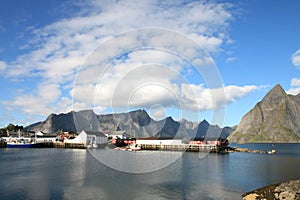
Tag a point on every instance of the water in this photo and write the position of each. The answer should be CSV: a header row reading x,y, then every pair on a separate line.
x,y
76,174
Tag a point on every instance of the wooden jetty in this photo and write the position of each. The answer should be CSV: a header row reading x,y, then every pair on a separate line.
x,y
183,147
2,144
69,145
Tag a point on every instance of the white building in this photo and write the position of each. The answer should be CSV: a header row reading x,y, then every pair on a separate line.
x,y
89,138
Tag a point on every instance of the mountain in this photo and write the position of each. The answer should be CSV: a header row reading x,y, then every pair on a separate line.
x,y
136,123
72,121
274,119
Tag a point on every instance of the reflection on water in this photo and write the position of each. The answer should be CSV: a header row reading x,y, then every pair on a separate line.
x,y
135,162
76,174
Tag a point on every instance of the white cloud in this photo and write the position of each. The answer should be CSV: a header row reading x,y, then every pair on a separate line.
x,y
196,97
296,58
295,82
133,83
44,100
56,52
231,59
2,66
295,86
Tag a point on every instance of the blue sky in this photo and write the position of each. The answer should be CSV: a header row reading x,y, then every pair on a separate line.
x,y
46,48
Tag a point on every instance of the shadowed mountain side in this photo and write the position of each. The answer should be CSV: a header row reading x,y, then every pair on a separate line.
x,y
274,119
136,124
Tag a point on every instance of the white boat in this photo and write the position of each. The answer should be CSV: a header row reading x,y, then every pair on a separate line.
x,y
129,148
272,151
92,146
134,148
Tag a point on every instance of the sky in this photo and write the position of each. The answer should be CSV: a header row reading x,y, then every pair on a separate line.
x,y
196,60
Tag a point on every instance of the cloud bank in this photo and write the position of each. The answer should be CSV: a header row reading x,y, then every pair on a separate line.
x,y
55,53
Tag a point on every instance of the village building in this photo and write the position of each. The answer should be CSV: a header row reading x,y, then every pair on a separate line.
x,y
89,139
41,137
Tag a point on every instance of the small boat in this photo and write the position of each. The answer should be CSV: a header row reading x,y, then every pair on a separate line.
x,y
134,148
272,151
92,146
129,148
121,149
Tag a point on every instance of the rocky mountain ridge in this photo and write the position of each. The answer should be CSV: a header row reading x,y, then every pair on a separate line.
x,y
136,123
276,118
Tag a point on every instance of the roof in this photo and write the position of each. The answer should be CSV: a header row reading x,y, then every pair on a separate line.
x,y
98,134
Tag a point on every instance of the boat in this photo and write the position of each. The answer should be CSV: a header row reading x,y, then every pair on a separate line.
x,y
134,148
129,148
272,151
20,143
92,146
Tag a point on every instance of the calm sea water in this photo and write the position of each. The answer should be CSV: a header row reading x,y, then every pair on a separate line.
x,y
77,174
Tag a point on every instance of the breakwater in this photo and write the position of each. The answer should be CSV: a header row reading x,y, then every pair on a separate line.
x,y
245,150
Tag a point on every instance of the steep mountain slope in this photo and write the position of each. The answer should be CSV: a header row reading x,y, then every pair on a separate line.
x,y
136,123
274,119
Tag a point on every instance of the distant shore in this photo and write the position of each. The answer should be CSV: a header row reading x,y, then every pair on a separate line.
x,y
286,190
266,142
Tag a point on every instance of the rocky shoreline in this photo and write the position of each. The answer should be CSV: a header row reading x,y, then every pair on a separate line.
x,y
287,190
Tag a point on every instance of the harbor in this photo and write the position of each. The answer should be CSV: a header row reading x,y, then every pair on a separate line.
x,y
160,147
72,169
120,141
135,145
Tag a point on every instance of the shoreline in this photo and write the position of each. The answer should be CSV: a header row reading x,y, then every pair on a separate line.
x,y
266,143
284,190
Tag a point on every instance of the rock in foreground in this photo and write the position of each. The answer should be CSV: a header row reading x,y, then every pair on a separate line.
x,y
289,190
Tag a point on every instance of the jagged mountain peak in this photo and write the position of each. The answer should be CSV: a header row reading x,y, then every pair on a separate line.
x,y
204,122
274,119
275,95
136,123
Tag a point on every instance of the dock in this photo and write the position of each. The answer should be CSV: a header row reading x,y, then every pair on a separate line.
x,y
210,148
69,145
62,145
2,144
